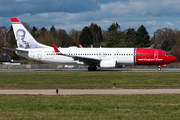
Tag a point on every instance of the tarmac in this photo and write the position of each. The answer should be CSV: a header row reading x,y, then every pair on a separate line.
x,y
114,91
99,70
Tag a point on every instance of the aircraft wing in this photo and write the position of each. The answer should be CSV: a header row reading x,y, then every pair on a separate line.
x,y
85,60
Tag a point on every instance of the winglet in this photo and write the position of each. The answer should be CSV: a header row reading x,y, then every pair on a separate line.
x,y
80,46
55,48
14,20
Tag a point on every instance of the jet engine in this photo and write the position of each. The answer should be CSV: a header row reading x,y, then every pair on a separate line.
x,y
108,64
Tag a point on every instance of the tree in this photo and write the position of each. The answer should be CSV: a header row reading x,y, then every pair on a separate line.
x,y
86,37
164,34
74,34
142,32
166,46
117,40
34,32
27,26
12,40
100,37
106,36
177,36
43,36
43,31
64,39
53,32
97,34
114,28
4,37
131,34
139,42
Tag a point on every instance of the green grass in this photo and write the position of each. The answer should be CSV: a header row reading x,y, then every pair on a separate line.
x,y
163,107
89,80
136,107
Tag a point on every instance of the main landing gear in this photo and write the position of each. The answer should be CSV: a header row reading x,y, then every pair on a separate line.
x,y
92,68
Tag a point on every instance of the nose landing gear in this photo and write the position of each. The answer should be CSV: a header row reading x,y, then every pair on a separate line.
x,y
159,69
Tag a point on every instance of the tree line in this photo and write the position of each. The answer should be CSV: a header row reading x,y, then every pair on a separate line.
x,y
164,38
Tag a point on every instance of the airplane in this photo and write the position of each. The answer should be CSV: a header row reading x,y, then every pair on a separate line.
x,y
29,48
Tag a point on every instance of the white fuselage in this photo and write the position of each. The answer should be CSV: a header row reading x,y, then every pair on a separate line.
x,y
123,56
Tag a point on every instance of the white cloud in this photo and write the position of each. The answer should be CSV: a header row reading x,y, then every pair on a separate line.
x,y
152,14
170,24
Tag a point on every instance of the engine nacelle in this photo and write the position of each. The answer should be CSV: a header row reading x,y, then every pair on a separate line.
x,y
108,64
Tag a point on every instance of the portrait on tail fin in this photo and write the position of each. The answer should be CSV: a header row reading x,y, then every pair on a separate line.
x,y
20,35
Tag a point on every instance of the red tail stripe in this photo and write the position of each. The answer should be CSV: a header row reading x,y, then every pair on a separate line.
x,y
14,20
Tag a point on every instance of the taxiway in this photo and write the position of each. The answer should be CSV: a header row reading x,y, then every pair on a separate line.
x,y
99,70
88,91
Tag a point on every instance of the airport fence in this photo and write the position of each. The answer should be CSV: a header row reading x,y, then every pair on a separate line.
x,y
54,66
35,66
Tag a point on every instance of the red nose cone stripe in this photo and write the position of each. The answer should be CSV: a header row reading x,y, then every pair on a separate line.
x,y
14,20
174,58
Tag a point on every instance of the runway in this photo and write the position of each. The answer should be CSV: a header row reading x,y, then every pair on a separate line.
x,y
99,70
88,91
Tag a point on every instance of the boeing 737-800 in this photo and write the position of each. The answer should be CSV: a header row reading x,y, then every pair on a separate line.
x,y
29,48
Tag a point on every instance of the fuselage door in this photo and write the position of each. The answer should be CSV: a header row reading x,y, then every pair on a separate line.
x,y
39,55
155,54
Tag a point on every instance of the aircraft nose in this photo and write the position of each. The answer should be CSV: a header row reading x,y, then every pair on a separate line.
x,y
173,58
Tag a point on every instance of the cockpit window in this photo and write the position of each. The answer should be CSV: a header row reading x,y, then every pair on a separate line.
x,y
166,53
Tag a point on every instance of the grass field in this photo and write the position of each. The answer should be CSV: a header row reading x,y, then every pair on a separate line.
x,y
136,107
89,80
161,107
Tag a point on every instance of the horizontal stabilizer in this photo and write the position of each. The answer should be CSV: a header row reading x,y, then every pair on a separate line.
x,y
12,49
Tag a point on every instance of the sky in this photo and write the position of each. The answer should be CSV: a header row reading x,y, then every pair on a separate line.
x,y
76,14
